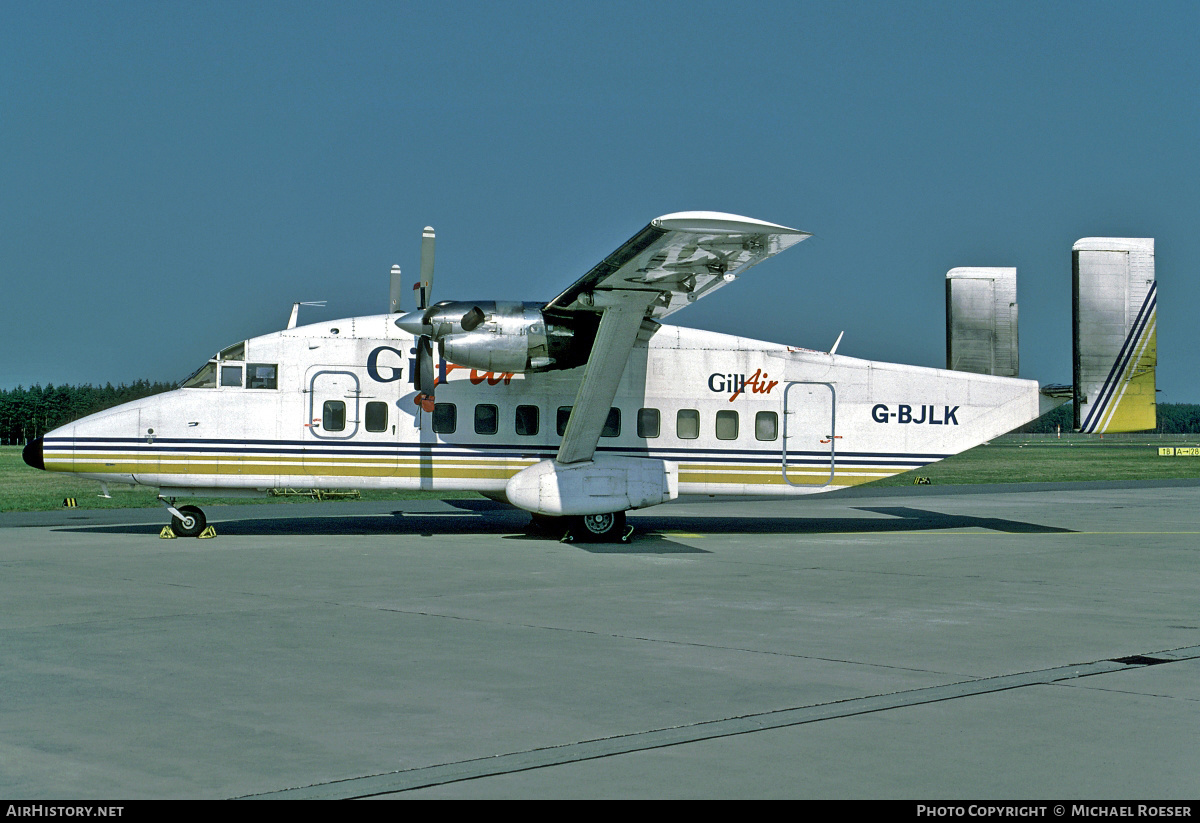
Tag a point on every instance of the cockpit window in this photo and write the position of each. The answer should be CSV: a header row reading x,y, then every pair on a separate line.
x,y
234,352
262,376
204,377
231,375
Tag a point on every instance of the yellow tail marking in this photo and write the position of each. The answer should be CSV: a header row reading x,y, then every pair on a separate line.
x,y
1134,408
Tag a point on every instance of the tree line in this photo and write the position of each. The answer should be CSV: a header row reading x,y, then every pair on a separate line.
x,y
26,414
1173,418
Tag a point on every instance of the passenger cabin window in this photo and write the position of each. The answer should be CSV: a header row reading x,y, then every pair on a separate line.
x,y
262,376
687,424
527,420
648,423
231,376
766,425
333,416
204,377
377,416
487,419
445,418
727,425
612,425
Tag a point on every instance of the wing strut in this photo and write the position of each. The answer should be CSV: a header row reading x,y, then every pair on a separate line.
x,y
619,325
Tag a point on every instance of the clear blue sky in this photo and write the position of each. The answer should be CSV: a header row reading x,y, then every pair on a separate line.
x,y
174,175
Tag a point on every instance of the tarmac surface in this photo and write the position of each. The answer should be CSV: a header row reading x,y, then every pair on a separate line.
x,y
1012,642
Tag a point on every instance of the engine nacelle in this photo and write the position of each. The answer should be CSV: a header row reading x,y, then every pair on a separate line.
x,y
495,336
501,336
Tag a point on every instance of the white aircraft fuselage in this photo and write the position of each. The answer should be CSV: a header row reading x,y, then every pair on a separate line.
x,y
331,405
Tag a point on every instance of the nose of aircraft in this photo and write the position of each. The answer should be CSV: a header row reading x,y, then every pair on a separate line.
x,y
32,454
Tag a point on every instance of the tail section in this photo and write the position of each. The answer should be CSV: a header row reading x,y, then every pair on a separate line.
x,y
1115,347
981,320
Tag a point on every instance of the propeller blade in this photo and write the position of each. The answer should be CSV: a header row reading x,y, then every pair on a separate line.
x,y
395,292
473,319
425,378
426,279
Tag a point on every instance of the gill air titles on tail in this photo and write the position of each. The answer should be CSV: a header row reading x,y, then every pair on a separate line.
x,y
588,405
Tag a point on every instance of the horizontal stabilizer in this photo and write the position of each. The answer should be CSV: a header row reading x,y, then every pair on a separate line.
x,y
1114,301
1052,396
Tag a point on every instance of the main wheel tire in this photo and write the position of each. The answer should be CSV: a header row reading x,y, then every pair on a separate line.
x,y
192,523
598,528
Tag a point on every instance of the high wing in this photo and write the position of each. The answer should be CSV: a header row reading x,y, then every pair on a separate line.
x,y
679,258
668,265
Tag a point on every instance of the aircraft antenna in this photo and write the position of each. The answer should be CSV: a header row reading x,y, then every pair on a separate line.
x,y
296,310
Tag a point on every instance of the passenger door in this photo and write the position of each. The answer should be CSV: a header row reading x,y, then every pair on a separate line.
x,y
350,434
809,433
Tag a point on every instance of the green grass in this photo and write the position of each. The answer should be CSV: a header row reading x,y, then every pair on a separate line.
x,y
1005,461
1010,461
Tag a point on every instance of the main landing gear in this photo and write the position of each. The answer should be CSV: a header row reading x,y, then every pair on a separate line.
x,y
186,521
588,528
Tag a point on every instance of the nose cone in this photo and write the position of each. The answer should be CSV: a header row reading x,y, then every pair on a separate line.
x,y
32,454
413,322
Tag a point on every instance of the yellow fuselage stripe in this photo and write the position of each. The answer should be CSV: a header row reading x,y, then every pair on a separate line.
x,y
455,467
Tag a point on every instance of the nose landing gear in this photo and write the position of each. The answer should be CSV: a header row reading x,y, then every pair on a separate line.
x,y
186,521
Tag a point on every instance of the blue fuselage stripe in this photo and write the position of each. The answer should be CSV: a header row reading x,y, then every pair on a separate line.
x,y
277,448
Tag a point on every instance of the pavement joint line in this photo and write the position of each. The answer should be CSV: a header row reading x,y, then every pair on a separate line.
x,y
640,639
509,763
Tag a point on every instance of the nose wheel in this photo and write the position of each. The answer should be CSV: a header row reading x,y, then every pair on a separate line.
x,y
186,521
191,524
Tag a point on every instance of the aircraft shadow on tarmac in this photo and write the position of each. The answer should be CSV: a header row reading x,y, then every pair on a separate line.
x,y
651,536
899,519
